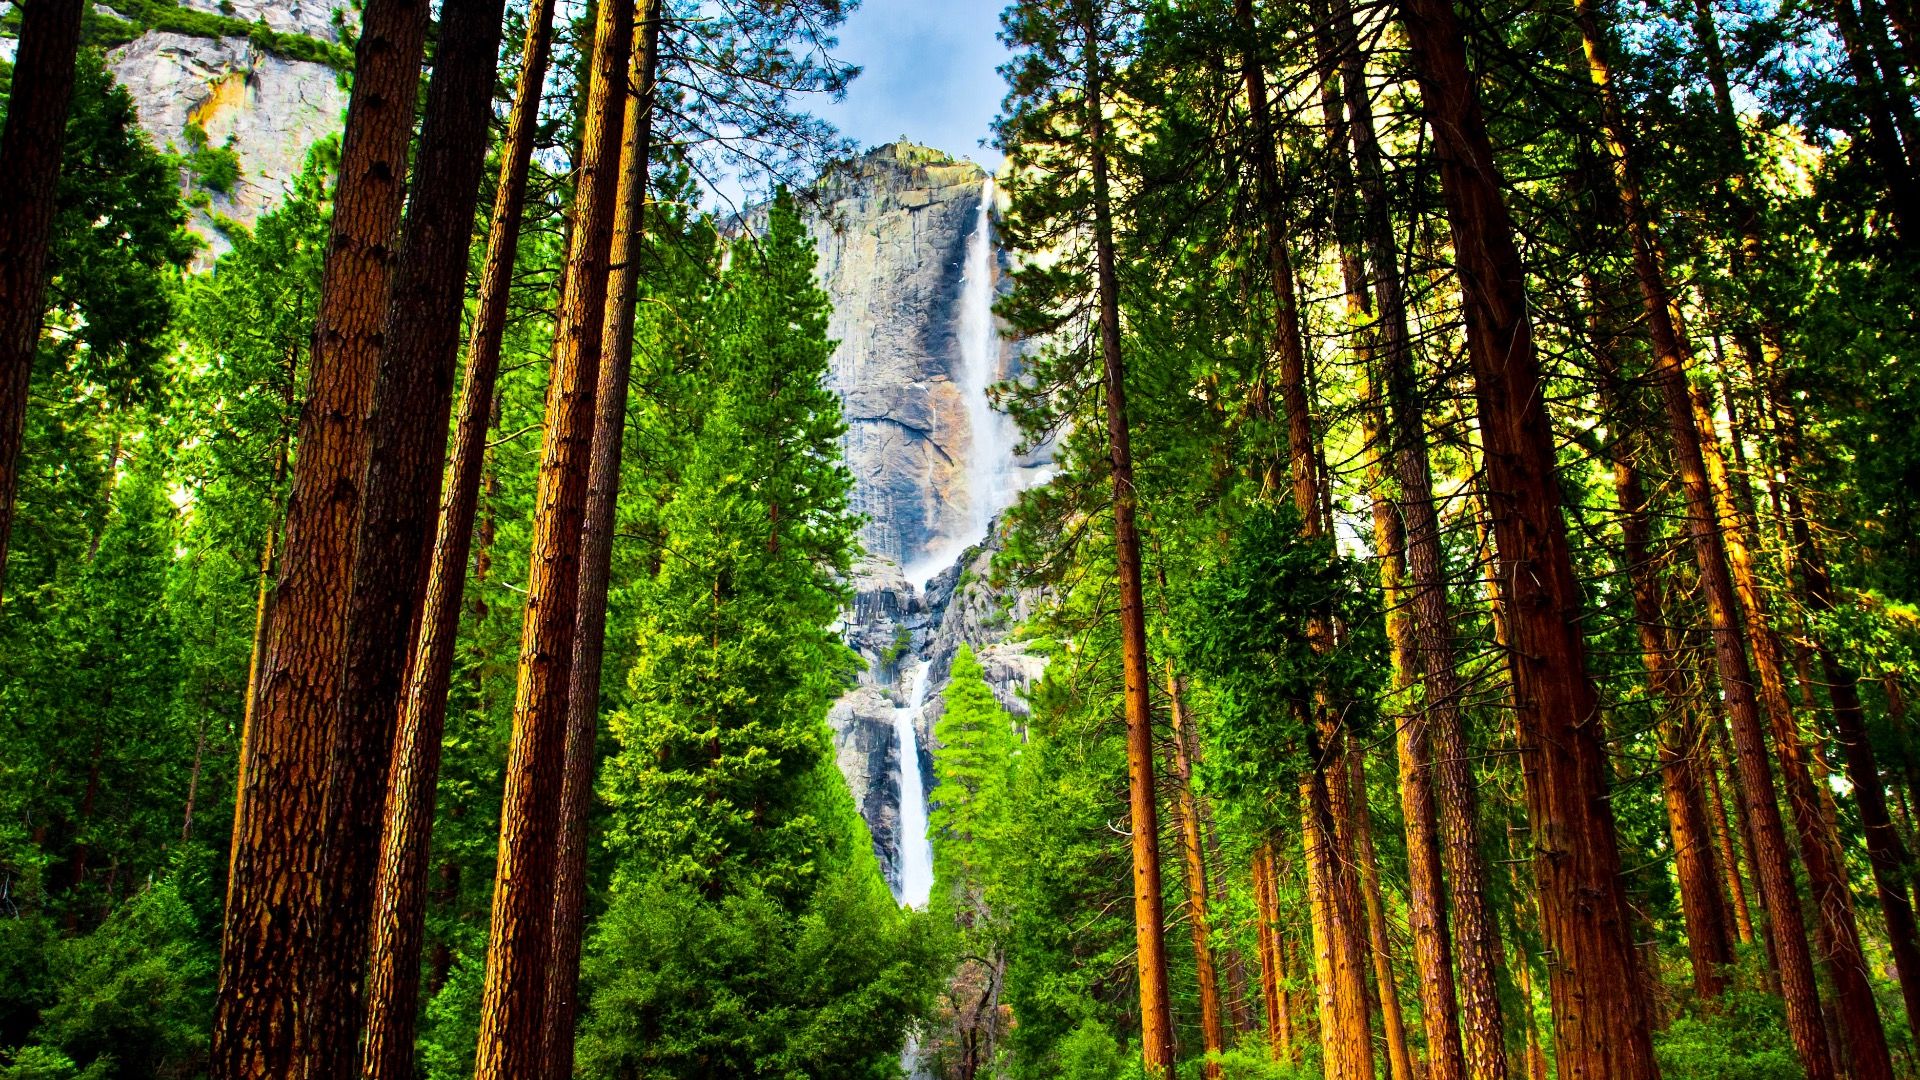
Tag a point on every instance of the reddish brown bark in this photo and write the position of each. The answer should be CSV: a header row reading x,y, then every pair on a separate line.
x,y
1709,942
1601,1025
1426,891
31,147
1273,992
1149,918
596,550
393,975
1729,867
408,433
277,898
1670,376
1393,1025
1193,858
513,1005
1843,957
1340,965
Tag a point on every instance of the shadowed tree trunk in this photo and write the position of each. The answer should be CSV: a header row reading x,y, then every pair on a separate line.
x,y
31,147
408,432
596,549
277,896
393,977
513,1006
1266,905
1600,1019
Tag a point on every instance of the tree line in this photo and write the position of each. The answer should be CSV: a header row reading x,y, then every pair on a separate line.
x,y
1480,597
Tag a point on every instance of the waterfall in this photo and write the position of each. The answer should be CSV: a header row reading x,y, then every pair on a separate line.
x,y
992,479
916,851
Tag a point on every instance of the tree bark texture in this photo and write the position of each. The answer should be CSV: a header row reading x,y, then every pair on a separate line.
x,y
1601,1024
277,897
513,1005
1193,857
1273,992
1859,1020
1149,917
399,911
408,431
596,549
31,147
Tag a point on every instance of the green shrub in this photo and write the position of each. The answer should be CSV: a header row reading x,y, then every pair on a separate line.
x,y
1746,1040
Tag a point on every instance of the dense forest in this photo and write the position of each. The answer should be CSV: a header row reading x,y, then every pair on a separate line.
x,y
1479,581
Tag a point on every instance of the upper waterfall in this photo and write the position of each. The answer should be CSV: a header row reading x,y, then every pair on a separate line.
x,y
991,482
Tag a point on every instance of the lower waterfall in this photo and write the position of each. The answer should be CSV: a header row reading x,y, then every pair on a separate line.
x,y
916,851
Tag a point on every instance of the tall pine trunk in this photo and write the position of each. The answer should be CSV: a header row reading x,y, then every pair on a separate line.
x,y
1843,956
513,1005
31,147
399,913
1149,916
1193,859
1340,946
596,550
277,897
1273,976
408,432
1600,1019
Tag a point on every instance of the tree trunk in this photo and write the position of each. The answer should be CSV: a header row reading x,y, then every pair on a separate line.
x,y
1844,958
1393,1025
1670,362
1339,942
1709,943
1426,891
1600,1020
278,896
1156,1014
393,977
408,432
1892,867
596,551
31,147
513,1006
1193,856
1266,905
1723,837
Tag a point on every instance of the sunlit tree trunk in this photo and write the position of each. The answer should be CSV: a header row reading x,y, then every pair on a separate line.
x,y
399,912
408,433
1600,1019
277,898
1149,916
513,1005
596,551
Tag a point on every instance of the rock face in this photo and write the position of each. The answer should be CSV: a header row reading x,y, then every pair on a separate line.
x,y
893,230
273,109
892,235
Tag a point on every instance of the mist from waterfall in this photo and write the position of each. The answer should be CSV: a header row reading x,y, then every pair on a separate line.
x,y
916,850
992,478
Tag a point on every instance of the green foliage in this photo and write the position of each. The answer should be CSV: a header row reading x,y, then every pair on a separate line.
x,y
135,996
106,31
688,987
1746,1039
215,168
1249,629
974,763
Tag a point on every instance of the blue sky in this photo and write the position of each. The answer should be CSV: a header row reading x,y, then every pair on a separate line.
x,y
930,74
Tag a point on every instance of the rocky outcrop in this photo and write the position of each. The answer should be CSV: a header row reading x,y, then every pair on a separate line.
x,y
269,109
